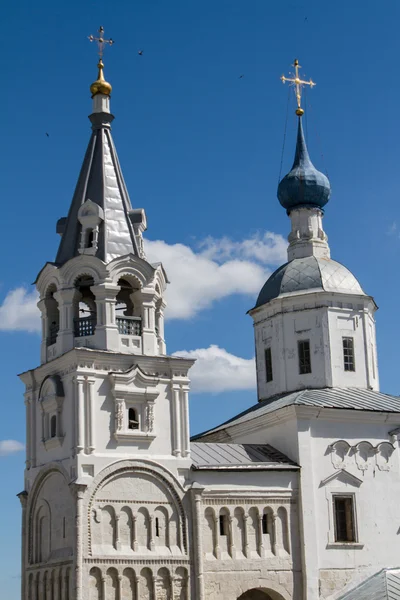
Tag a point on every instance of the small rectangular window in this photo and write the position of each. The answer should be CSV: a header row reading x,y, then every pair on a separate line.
x,y
223,525
304,357
268,365
348,354
343,512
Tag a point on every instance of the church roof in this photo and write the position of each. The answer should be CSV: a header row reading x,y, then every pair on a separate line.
x,y
309,274
101,182
335,398
384,585
211,456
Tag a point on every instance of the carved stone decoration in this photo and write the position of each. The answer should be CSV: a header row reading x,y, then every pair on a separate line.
x,y
119,415
340,452
96,514
384,452
150,417
364,452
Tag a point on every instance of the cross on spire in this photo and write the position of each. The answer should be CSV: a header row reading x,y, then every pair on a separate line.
x,y
101,41
298,84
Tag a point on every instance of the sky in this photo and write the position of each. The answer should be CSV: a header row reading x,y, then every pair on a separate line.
x,y
201,119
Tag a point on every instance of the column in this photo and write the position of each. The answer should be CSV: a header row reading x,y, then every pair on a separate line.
x,y
117,534
274,542
80,414
92,413
33,435
23,498
136,587
161,334
261,548
246,535
185,422
151,525
56,586
149,338
43,314
41,587
217,550
28,402
106,334
65,337
198,541
79,524
154,582
103,588
119,587
231,541
62,584
135,545
176,432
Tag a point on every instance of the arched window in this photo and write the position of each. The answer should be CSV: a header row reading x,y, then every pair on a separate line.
x,y
89,238
133,422
128,317
53,426
85,316
157,527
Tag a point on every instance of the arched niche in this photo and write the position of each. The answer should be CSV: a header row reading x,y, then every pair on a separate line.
x,y
134,485
50,532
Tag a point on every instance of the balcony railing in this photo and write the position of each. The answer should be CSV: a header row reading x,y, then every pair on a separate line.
x,y
129,325
84,326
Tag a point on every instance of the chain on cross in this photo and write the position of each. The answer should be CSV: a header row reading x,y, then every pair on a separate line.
x,y
298,84
101,41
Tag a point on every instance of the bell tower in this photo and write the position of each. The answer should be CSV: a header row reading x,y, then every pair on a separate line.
x,y
106,396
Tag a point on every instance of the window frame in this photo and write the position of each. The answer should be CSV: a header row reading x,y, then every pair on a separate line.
x,y
344,496
269,373
302,357
349,359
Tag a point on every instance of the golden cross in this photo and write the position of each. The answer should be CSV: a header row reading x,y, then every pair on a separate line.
x,y
101,41
298,84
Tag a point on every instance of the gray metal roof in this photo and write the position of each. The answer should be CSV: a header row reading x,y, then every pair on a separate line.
x,y
211,456
339,398
102,182
384,585
309,273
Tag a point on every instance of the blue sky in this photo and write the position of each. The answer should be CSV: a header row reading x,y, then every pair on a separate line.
x,y
201,150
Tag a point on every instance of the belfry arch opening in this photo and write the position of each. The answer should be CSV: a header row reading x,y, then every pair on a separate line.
x,y
53,316
260,594
127,309
85,313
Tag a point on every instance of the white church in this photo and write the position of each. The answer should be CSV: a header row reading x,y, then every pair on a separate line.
x,y
297,498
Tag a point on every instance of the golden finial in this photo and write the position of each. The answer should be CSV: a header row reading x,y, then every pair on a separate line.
x,y
298,84
100,86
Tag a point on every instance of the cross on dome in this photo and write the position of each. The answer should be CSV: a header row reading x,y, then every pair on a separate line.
x,y
298,84
101,86
101,41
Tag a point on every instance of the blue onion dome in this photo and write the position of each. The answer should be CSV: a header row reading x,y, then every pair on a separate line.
x,y
303,185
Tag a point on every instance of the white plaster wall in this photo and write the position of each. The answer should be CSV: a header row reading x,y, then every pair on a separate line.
x,y
323,320
376,497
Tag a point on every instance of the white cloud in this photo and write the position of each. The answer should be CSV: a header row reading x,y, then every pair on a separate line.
x,y
10,447
19,311
219,269
269,248
216,370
